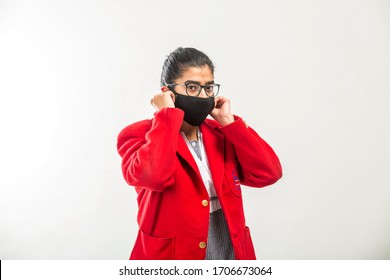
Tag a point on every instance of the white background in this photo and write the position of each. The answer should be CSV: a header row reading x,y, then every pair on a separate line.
x,y
312,77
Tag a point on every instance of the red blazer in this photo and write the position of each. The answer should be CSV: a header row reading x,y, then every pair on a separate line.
x,y
173,203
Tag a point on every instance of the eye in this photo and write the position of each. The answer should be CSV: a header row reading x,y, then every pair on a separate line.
x,y
192,87
210,88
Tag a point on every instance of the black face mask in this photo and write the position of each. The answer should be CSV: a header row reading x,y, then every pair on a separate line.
x,y
196,109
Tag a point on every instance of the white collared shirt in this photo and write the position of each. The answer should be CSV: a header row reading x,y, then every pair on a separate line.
x,y
204,170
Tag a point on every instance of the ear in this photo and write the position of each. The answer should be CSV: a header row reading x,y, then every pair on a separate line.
x,y
164,89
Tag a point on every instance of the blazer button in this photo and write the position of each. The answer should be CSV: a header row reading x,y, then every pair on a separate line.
x,y
205,203
202,245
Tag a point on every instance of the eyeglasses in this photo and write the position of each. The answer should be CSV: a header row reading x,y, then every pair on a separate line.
x,y
193,89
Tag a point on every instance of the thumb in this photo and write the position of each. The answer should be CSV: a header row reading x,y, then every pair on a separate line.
x,y
172,96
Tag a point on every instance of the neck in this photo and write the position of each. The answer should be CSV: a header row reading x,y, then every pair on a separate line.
x,y
189,131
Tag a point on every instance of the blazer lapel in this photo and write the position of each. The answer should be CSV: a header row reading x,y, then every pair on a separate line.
x,y
184,152
215,150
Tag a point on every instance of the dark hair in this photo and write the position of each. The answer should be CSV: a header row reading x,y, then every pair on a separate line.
x,y
179,60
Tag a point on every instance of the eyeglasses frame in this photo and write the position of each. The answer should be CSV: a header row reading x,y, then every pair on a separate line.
x,y
170,86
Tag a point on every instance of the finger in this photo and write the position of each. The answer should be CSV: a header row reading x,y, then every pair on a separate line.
x,y
219,103
216,99
170,93
222,98
172,96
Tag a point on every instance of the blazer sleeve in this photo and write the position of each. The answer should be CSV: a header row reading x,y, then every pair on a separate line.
x,y
259,165
148,150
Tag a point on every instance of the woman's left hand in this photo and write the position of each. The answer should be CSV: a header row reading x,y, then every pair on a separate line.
x,y
221,112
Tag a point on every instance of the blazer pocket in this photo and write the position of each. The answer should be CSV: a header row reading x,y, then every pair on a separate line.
x,y
249,249
148,247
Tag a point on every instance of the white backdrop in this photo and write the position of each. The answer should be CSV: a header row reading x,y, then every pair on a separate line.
x,y
312,77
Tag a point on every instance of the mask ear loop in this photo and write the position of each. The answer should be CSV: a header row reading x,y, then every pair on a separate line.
x,y
171,89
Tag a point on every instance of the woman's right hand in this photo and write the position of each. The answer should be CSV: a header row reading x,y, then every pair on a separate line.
x,y
163,100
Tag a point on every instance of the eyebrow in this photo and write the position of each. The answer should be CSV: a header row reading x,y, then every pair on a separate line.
x,y
195,82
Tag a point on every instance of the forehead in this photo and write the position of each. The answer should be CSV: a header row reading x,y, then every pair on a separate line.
x,y
199,74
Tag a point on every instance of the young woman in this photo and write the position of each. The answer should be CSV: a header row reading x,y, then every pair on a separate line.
x,y
188,170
